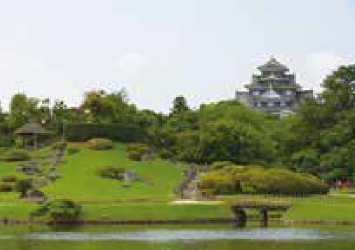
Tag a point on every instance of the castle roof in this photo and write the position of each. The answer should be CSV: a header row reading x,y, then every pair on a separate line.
x,y
273,66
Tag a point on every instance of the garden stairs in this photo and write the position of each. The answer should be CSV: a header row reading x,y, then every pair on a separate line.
x,y
188,189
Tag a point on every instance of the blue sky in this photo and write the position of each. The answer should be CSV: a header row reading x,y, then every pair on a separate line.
x,y
158,49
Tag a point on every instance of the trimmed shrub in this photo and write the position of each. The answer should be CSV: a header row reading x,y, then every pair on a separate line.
x,y
100,144
59,211
73,150
220,165
5,187
166,154
58,145
9,178
112,172
137,151
16,155
257,180
6,141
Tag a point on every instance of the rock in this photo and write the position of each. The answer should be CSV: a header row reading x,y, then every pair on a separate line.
x,y
130,176
36,196
126,186
29,167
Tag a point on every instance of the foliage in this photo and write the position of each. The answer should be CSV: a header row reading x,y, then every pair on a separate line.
x,y
9,178
256,180
23,186
73,150
5,187
180,106
16,155
58,145
59,211
100,144
22,109
220,165
166,154
124,132
6,141
137,151
321,136
111,172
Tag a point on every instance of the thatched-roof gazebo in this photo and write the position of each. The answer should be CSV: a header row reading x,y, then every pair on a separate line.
x,y
30,132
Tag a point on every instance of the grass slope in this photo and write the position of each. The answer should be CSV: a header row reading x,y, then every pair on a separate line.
x,y
79,180
80,183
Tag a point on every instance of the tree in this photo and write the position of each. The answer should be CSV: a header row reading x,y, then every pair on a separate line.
x,y
323,135
180,106
60,111
22,109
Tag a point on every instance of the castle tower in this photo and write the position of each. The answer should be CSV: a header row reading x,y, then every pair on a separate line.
x,y
273,90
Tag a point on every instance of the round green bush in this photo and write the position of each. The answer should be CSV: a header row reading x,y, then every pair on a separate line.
x,y
5,187
137,151
166,154
22,186
100,144
73,150
16,155
9,178
59,211
111,172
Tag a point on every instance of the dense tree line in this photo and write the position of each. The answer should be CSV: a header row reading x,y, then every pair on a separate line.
x,y
318,139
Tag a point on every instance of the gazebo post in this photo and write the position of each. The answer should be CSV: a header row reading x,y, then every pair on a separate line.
x,y
35,141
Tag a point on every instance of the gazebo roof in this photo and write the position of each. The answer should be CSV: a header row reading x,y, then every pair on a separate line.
x,y
31,128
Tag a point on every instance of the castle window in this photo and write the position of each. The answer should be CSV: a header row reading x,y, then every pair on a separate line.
x,y
277,104
289,104
263,104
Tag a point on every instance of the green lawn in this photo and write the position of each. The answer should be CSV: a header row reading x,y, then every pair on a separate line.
x,y
79,181
150,211
322,208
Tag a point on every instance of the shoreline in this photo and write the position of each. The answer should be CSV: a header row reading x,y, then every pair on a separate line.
x,y
13,222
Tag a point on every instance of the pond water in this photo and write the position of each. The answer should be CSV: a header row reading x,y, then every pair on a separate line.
x,y
203,237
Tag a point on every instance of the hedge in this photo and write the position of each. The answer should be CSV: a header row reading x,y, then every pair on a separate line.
x,y
115,132
100,144
257,180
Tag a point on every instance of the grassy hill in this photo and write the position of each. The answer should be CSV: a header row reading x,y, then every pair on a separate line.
x,y
79,181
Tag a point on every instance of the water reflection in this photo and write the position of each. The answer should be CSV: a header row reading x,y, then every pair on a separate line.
x,y
171,235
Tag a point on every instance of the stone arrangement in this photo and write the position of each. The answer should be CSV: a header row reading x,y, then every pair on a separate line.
x,y
30,167
188,188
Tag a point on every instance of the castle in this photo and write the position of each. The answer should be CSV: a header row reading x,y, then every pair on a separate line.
x,y
274,90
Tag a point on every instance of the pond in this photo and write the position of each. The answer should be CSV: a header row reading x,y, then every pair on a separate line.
x,y
203,237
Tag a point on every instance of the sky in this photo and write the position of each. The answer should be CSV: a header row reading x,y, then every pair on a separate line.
x,y
204,50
